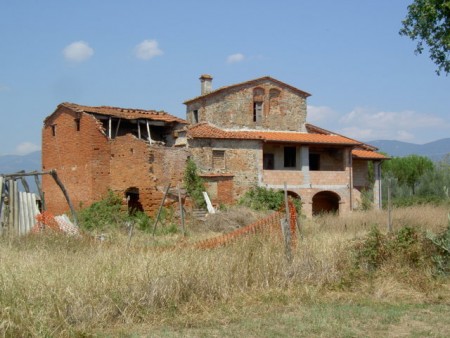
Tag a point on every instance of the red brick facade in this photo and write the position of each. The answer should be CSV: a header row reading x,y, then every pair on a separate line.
x,y
89,163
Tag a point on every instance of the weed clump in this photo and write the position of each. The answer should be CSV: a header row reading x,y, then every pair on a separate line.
x,y
408,247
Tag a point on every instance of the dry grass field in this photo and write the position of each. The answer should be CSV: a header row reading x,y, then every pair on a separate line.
x,y
53,285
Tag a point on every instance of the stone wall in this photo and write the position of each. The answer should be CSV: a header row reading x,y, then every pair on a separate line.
x,y
242,158
282,108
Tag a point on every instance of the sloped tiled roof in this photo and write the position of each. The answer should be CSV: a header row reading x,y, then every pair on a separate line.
x,y
205,130
368,155
315,129
254,81
125,113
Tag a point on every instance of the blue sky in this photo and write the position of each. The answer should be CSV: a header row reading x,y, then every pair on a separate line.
x,y
365,80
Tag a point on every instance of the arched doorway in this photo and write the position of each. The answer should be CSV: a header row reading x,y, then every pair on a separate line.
x,y
325,201
132,196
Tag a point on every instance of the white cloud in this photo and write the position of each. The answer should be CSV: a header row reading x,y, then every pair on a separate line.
x,y
147,50
235,58
320,114
25,148
78,51
3,88
368,124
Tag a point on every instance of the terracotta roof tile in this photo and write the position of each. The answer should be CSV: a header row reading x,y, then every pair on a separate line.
x,y
125,113
204,130
368,154
317,130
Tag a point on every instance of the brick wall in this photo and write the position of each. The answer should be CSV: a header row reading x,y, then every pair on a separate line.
x,y
89,164
360,173
283,109
149,168
81,159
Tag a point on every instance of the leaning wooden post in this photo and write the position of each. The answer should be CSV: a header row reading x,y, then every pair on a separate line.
x,y
286,227
39,188
66,195
160,208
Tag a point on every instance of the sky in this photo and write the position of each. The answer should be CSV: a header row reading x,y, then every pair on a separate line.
x,y
365,80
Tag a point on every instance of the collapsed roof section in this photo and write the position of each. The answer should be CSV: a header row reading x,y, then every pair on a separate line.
x,y
154,126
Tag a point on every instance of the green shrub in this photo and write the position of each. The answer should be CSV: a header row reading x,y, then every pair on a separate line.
x,y
260,198
441,255
194,184
107,213
407,247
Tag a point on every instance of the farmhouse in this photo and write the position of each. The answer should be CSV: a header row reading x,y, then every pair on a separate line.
x,y
248,134
255,134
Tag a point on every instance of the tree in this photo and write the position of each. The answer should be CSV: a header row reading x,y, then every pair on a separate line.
x,y
408,170
194,184
428,21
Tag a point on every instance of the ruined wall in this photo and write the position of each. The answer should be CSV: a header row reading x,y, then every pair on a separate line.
x,y
149,168
282,108
89,164
242,159
73,145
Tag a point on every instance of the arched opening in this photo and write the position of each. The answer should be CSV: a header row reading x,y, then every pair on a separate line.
x,y
325,202
132,196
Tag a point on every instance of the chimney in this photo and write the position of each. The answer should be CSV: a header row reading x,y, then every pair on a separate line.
x,y
206,84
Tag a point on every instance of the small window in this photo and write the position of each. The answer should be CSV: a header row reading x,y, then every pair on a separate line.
x,y
314,161
195,114
268,161
53,129
218,159
77,124
290,158
257,111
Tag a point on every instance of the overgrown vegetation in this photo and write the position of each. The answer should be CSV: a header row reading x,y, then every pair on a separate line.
x,y
104,214
194,184
261,198
53,285
110,214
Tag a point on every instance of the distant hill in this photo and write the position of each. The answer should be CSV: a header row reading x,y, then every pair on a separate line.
x,y
434,150
10,164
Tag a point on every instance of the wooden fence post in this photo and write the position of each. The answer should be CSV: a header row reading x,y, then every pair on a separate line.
x,y
286,227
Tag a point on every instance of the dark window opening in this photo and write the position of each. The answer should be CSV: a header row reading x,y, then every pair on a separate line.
x,y
257,111
314,161
134,205
268,161
195,113
77,124
53,129
290,158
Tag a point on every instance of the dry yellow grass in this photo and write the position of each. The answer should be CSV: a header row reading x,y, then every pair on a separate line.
x,y
52,285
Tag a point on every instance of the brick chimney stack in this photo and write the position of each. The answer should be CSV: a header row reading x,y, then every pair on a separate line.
x,y
206,84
